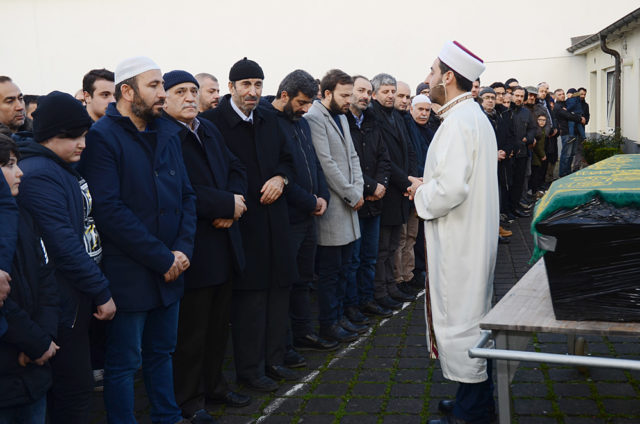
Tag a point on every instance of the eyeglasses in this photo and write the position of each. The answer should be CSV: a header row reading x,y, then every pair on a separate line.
x,y
488,97
542,119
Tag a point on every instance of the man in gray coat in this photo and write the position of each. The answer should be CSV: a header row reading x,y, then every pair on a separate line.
x,y
338,228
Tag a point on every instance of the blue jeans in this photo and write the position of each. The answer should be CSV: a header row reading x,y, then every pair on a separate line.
x,y
362,269
141,338
31,413
566,156
333,268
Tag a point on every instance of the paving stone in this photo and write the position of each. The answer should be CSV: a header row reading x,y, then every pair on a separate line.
x,y
388,352
578,406
444,389
415,352
537,420
378,362
331,389
317,419
359,419
524,375
615,389
369,405
334,375
583,419
626,348
421,363
323,404
289,405
575,390
405,405
401,419
348,362
604,374
622,406
234,419
565,374
529,390
374,374
411,375
407,390
532,406
368,389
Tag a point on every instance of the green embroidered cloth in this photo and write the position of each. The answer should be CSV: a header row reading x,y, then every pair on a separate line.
x,y
615,180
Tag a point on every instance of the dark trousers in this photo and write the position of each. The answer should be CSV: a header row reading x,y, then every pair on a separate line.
x,y
420,254
362,269
537,177
203,330
515,191
333,264
303,240
70,396
503,186
97,340
389,242
259,328
474,401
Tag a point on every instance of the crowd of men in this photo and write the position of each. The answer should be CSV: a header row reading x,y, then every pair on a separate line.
x,y
153,216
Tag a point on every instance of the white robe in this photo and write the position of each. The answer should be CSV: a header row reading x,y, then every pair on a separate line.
x,y
459,203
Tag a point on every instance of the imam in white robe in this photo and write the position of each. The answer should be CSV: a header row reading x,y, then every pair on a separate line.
x,y
460,206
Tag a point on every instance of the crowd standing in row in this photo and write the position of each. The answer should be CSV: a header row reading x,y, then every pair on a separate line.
x,y
184,212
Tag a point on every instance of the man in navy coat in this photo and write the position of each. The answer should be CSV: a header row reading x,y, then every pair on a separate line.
x,y
220,182
145,209
261,294
8,237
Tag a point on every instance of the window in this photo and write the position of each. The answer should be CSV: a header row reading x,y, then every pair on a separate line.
x,y
611,90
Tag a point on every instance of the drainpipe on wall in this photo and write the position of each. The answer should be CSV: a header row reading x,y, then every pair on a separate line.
x,y
616,79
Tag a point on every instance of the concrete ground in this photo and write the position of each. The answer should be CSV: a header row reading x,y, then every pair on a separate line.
x,y
386,376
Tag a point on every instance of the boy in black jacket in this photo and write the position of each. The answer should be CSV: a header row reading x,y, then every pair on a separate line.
x,y
31,312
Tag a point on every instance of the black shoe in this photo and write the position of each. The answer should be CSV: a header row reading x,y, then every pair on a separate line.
x,y
389,303
522,214
407,288
503,240
337,333
261,384
278,372
373,308
231,399
293,359
352,326
202,417
312,341
446,406
355,316
397,295
418,282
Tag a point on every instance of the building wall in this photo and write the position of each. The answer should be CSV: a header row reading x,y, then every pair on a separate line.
x,y
598,64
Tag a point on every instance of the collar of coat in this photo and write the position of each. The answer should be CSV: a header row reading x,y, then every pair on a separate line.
x,y
232,117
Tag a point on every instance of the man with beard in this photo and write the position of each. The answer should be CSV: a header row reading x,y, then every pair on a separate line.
x,y
524,127
145,208
458,199
307,198
220,182
209,93
563,117
396,207
261,295
374,163
12,108
338,228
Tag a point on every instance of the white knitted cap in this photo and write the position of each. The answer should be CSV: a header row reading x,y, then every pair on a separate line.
x,y
420,98
133,66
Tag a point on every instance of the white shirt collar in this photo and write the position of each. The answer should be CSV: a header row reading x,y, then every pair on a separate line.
x,y
240,113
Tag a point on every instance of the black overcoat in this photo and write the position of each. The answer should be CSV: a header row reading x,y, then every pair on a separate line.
x,y
264,151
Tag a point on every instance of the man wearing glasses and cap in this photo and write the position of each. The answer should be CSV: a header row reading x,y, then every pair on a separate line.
x,y
458,199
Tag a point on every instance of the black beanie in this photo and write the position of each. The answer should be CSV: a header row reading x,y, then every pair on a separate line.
x,y
56,114
178,77
245,69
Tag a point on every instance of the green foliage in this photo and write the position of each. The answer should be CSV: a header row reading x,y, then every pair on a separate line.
x,y
602,147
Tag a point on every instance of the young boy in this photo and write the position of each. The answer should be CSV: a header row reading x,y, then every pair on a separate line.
x,y
31,313
539,157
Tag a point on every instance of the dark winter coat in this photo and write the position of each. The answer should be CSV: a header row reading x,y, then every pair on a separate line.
x,y
31,312
395,208
144,207
421,137
308,181
502,124
263,149
374,159
524,126
563,116
50,192
215,175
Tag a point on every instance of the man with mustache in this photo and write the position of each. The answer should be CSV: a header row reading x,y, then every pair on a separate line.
x,y
12,108
260,306
375,166
338,228
220,182
307,198
209,92
146,210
